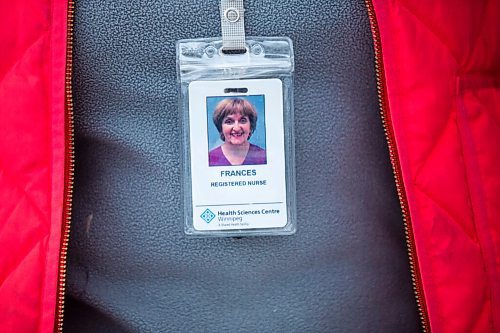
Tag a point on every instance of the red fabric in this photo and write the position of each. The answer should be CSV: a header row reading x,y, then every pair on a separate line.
x,y
442,71
32,67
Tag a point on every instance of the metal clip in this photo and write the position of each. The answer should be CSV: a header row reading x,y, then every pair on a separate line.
x,y
233,26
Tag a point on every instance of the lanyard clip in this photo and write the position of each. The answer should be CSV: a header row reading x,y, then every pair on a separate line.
x,y
233,26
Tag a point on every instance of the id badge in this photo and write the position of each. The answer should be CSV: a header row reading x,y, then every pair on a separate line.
x,y
238,144
237,154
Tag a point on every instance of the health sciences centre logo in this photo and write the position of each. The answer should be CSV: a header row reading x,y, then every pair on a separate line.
x,y
207,215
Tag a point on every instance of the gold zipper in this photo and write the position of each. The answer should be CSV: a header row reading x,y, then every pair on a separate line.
x,y
69,170
396,168
386,122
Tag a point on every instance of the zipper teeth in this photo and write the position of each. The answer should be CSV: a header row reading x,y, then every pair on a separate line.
x,y
70,162
396,168
69,169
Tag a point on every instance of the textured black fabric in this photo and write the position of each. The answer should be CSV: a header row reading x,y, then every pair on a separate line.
x,y
132,269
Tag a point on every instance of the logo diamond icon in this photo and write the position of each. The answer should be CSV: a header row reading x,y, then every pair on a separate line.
x,y
207,215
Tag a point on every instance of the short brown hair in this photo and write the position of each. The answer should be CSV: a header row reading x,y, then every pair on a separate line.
x,y
231,106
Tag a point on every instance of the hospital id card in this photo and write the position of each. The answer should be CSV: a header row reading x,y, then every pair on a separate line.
x,y
236,156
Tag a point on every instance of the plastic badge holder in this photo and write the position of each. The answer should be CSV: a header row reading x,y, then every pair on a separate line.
x,y
237,120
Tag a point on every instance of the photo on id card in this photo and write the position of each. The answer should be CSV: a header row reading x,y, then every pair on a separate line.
x,y
237,155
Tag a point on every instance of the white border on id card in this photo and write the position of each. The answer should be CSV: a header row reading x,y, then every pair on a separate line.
x,y
237,154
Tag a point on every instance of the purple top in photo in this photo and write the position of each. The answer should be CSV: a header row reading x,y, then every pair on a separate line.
x,y
255,156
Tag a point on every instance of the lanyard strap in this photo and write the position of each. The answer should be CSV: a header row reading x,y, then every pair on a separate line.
x,y
233,26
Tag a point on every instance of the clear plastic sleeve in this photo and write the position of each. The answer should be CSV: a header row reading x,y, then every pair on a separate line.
x,y
226,194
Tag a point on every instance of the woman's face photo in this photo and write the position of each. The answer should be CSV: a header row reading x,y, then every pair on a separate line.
x,y
236,132
236,129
